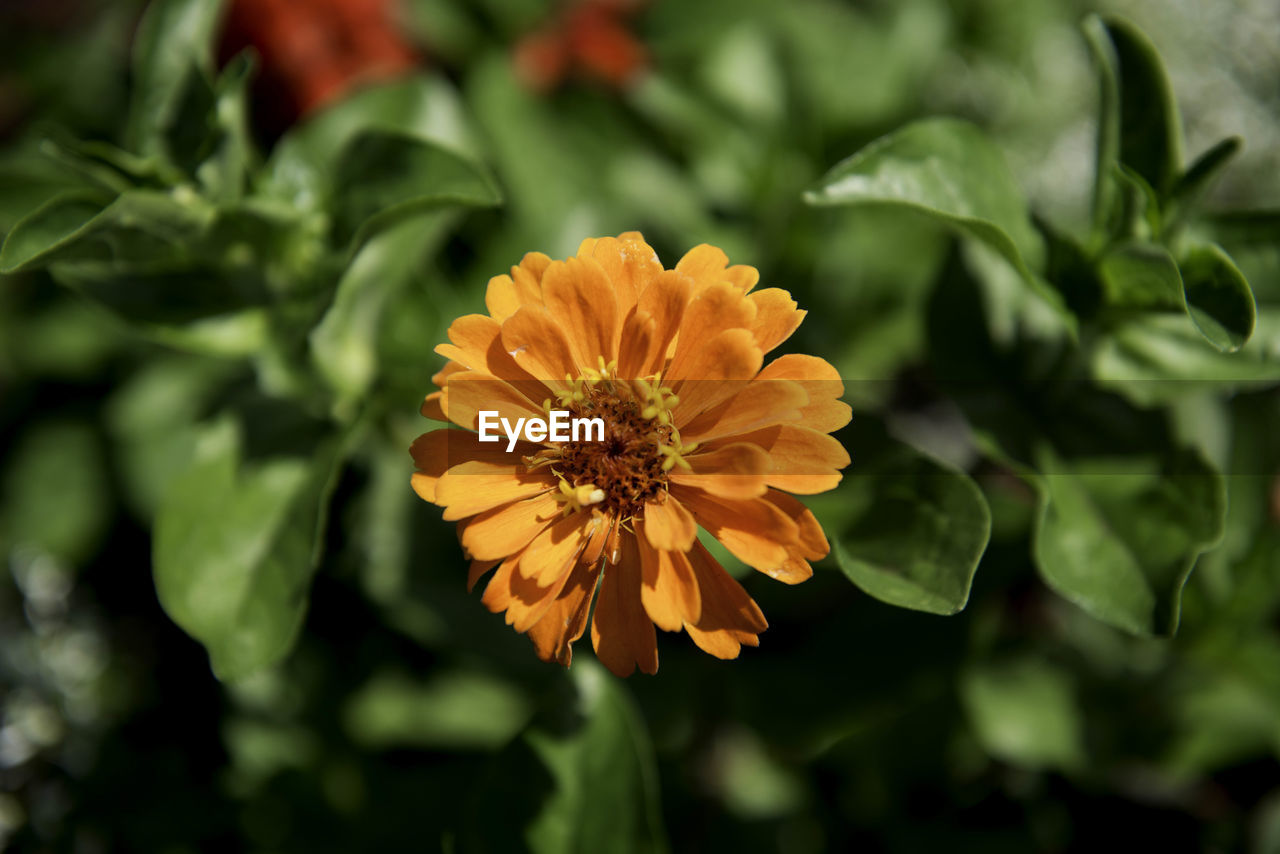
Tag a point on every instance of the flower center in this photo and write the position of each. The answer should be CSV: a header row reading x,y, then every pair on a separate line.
x,y
629,464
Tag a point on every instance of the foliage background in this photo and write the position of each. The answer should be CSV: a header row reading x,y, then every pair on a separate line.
x,y
206,394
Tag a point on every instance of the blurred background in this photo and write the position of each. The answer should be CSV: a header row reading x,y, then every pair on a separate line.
x,y
265,373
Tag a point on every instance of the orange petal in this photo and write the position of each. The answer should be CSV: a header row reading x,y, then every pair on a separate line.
x,y
731,471
432,408
477,570
621,632
826,412
664,300
506,530
477,345
552,553
472,392
730,617
668,525
776,317
756,531
436,452
714,310
812,541
497,593
475,487
804,461
759,403
669,592
715,372
637,345
630,264
566,618
579,295
534,339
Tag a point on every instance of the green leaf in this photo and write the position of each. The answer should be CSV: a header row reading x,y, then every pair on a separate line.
x,y
139,226
174,44
582,778
917,532
948,170
235,545
1218,297
1157,358
301,167
55,491
1141,275
1119,537
1139,126
464,710
345,344
1193,183
383,178
1025,712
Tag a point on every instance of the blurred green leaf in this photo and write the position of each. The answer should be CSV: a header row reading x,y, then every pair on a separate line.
x,y
1218,297
917,534
1141,275
235,545
159,293
1119,537
1025,712
1195,181
345,343
1139,126
582,779
173,47
384,177
55,491
463,710
302,165
949,170
139,226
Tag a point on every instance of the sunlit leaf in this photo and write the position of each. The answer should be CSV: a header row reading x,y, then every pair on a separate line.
x,y
382,178
1218,297
1119,537
235,545
917,534
946,169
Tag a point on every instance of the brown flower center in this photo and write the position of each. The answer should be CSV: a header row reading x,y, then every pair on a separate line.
x,y
627,464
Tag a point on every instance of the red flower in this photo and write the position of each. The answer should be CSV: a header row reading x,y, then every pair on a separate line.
x,y
588,38
314,51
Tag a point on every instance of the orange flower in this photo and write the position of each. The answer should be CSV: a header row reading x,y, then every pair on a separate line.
x,y
697,432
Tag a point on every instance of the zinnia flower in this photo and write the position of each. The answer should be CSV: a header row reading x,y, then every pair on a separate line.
x,y
698,432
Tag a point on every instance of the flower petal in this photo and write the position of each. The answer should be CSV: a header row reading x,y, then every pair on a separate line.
x,y
776,317
812,541
825,412
621,632
579,295
471,392
730,618
629,263
669,591
707,266
756,531
714,310
553,552
668,525
805,461
475,487
506,530
566,619
759,403
664,300
714,373
734,471
636,349
533,338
